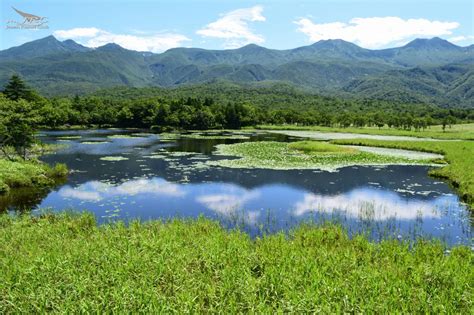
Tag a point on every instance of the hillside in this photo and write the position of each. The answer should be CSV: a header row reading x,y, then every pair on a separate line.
x,y
423,71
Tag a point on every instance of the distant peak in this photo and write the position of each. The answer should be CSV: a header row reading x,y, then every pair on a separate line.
x,y
251,47
434,42
333,43
110,47
49,38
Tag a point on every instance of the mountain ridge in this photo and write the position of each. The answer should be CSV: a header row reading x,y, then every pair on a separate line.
x,y
327,66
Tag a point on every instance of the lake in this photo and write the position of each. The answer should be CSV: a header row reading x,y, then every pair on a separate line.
x,y
125,174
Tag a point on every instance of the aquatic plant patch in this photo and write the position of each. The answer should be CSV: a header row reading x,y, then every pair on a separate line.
x,y
122,136
113,158
94,142
69,137
280,155
215,137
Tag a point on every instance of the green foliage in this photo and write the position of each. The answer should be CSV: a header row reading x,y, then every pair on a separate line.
x,y
18,125
16,89
68,264
17,174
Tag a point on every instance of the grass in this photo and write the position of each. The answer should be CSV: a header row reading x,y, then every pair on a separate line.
x,y
300,155
459,155
17,174
460,131
318,147
68,264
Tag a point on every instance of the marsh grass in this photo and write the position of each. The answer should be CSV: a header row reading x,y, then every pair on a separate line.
x,y
66,263
319,147
16,174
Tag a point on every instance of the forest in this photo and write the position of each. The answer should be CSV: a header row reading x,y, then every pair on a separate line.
x,y
214,106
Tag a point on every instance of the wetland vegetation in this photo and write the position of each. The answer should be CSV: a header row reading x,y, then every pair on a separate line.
x,y
235,220
66,263
303,155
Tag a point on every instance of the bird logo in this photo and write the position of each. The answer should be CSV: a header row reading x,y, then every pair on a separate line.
x,y
30,18
30,21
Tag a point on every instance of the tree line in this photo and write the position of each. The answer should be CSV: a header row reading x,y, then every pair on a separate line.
x,y
23,110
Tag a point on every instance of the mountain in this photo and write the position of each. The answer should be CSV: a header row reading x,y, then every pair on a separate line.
x,y
40,48
424,70
446,85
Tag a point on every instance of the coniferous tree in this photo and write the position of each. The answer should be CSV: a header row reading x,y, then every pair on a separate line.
x,y
16,89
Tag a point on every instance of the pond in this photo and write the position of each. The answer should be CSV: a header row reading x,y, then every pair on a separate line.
x,y
126,174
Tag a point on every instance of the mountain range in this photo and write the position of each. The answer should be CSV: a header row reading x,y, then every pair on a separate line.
x,y
423,71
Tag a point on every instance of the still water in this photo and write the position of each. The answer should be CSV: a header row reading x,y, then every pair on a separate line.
x,y
144,177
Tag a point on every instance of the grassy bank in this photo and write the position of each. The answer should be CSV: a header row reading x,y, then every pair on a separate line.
x,y
301,155
16,174
459,155
461,131
68,264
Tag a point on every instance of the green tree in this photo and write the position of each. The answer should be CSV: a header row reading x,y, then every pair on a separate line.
x,y
16,89
18,126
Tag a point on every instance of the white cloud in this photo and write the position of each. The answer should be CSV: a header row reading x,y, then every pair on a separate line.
x,y
96,191
375,32
364,204
234,27
461,38
94,37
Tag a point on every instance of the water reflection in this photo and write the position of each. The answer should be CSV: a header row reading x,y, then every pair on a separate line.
x,y
156,181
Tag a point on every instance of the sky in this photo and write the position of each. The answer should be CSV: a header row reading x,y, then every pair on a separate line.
x,y
147,25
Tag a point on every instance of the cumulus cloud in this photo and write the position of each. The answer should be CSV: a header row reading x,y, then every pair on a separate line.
x,y
230,202
96,191
234,27
364,204
461,38
94,37
375,32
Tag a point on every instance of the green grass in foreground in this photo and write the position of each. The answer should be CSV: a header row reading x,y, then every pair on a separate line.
x,y
300,155
15,174
461,131
68,264
459,155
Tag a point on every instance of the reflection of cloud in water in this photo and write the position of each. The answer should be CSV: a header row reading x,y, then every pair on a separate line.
x,y
69,192
228,202
95,190
367,204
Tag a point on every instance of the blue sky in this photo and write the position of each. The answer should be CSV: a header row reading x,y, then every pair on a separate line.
x,y
160,25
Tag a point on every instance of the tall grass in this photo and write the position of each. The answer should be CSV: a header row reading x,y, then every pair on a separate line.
x,y
15,174
66,263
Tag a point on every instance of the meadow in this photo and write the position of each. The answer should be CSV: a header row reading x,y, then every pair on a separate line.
x,y
458,131
67,263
